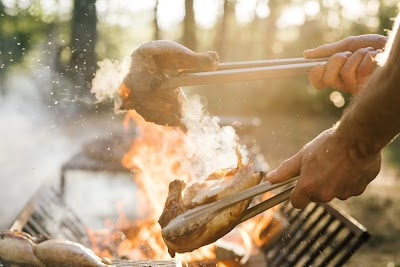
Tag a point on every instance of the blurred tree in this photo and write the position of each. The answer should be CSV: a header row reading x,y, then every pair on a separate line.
x,y
157,34
189,26
19,31
82,64
386,14
226,20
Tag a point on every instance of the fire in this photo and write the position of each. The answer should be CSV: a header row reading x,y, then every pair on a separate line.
x,y
158,155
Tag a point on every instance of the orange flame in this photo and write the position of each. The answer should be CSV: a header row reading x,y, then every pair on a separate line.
x,y
158,156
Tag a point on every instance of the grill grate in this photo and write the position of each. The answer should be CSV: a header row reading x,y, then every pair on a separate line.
x,y
318,235
47,214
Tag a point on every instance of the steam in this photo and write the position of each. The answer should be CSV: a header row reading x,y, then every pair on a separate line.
x,y
109,77
210,146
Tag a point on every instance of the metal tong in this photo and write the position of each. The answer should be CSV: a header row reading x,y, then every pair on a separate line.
x,y
200,215
246,71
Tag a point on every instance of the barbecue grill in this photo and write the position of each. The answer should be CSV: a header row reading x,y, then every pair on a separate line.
x,y
318,235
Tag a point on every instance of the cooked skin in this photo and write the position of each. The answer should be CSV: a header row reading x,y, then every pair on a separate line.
x,y
223,222
17,248
151,64
63,253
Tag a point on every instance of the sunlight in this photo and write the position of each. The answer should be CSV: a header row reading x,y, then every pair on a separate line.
x,y
170,13
262,10
291,16
337,99
207,12
312,8
352,10
245,10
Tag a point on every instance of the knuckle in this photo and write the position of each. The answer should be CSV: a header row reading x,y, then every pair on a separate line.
x,y
362,51
327,197
338,57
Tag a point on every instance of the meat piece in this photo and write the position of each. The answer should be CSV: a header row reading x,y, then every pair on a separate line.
x,y
21,248
16,247
229,183
63,253
174,202
151,64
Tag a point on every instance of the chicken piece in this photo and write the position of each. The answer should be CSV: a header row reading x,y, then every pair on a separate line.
x,y
18,248
151,64
224,221
63,253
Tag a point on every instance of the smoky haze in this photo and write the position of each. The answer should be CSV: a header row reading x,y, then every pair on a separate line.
x,y
209,146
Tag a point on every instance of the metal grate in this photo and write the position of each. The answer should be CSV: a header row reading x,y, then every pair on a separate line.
x,y
47,214
318,235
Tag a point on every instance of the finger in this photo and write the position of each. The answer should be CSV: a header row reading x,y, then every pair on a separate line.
x,y
332,70
351,44
366,67
329,49
286,170
315,77
299,198
348,72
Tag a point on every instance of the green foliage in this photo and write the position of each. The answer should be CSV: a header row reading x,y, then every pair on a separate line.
x,y
18,33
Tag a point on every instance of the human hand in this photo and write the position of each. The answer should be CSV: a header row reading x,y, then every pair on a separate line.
x,y
327,167
350,65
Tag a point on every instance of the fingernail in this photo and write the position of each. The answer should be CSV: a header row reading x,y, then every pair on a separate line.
x,y
270,175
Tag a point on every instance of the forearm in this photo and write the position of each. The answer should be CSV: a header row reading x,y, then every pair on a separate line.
x,y
373,120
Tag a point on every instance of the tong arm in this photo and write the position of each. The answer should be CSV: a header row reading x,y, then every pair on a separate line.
x,y
202,214
267,204
245,71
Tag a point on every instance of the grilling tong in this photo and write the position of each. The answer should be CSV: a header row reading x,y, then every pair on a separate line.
x,y
238,72
245,71
200,215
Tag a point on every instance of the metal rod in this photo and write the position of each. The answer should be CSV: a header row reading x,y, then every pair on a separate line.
x,y
267,204
239,75
236,198
268,62
202,214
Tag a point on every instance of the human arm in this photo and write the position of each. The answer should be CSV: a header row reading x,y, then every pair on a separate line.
x,y
343,160
350,65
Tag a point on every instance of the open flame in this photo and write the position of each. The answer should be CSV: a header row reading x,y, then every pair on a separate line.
x,y
158,155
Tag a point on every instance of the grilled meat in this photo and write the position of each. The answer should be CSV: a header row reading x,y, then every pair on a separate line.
x,y
222,184
151,64
20,248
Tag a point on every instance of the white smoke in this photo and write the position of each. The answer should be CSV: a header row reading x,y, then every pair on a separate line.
x,y
210,146
109,77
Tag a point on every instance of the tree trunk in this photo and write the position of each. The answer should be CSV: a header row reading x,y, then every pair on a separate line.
x,y
82,64
222,34
157,33
189,24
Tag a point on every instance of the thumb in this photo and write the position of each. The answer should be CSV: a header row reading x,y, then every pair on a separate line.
x,y
286,170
